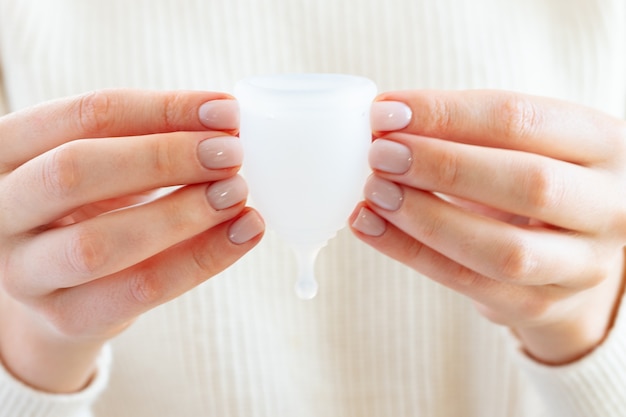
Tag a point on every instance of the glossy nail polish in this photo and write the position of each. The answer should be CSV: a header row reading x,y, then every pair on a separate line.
x,y
385,194
369,223
389,156
245,228
387,116
220,152
219,114
227,193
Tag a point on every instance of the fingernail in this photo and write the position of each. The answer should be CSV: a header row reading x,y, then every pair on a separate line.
x,y
369,223
385,194
220,152
219,114
227,193
245,228
390,115
389,156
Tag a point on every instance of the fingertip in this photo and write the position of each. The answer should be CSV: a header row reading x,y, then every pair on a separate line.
x,y
227,193
248,227
390,156
368,223
390,115
221,114
220,152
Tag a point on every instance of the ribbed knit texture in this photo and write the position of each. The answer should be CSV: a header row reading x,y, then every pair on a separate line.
x,y
379,340
17,399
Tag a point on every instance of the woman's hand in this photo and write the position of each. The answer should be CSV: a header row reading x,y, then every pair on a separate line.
x,y
518,202
83,250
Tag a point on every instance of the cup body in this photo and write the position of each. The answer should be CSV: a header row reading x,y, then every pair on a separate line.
x,y
305,139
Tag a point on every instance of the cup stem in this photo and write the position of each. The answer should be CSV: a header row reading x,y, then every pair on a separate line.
x,y
306,286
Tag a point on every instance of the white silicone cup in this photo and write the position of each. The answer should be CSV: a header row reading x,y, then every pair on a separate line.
x,y
305,139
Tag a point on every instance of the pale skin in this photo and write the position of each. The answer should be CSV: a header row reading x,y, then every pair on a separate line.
x,y
539,248
84,250
529,215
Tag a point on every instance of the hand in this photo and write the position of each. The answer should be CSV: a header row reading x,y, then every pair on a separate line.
x,y
515,201
83,249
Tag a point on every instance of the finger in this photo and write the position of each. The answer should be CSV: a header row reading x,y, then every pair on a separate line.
x,y
70,256
111,113
500,251
502,302
92,210
556,192
108,304
87,171
544,126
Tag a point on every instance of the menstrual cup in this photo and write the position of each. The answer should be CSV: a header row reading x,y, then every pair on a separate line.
x,y
305,139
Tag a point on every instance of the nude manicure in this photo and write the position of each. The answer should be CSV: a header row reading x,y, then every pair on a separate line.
x,y
389,156
387,116
385,194
219,114
220,152
227,193
369,223
245,228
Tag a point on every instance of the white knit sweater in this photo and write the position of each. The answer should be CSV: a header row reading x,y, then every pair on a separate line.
x,y
379,340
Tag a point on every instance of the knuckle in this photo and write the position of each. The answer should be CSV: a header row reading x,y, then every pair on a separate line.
x,y
171,111
209,259
432,228
519,116
61,174
164,158
467,278
439,115
208,262
145,289
542,187
413,250
518,261
86,252
93,113
448,170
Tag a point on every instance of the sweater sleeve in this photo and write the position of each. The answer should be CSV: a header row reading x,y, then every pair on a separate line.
x,y
17,399
594,386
